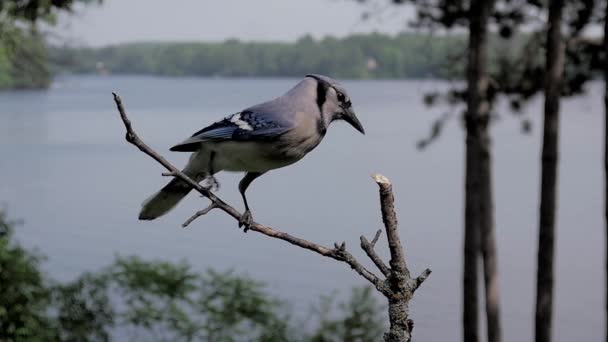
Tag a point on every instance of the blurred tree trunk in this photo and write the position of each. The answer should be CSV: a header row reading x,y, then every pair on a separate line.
x,y
479,216
554,73
606,152
488,240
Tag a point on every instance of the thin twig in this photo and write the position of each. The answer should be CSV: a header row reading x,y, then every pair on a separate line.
x,y
199,214
368,247
348,258
420,279
376,237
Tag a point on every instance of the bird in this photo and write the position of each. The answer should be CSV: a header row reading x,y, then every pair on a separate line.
x,y
258,139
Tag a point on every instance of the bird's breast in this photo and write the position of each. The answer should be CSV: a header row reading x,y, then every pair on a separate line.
x,y
296,146
252,156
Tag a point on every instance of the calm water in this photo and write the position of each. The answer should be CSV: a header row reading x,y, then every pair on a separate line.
x,y
78,185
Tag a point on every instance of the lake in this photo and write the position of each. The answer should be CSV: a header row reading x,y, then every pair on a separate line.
x,y
69,174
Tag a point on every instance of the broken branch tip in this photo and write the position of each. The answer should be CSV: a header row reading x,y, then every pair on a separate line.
x,y
380,179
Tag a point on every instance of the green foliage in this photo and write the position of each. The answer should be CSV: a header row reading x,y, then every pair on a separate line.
x,y
23,53
237,306
34,10
24,297
23,59
160,301
5,79
167,302
358,319
82,309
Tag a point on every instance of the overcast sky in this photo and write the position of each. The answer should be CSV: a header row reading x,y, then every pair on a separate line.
x,y
211,20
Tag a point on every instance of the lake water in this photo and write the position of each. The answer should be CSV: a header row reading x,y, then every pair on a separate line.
x,y
68,172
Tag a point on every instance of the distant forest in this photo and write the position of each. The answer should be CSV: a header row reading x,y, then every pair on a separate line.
x,y
27,62
361,56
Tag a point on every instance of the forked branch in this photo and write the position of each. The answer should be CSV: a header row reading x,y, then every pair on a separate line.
x,y
397,286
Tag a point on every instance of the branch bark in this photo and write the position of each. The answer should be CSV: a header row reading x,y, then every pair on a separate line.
x,y
398,286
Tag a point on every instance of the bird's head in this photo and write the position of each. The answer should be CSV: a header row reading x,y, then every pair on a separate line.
x,y
334,102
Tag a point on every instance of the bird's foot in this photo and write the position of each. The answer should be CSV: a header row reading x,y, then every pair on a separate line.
x,y
246,220
210,183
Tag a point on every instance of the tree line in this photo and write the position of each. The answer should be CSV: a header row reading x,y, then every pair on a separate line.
x,y
375,55
26,61
359,56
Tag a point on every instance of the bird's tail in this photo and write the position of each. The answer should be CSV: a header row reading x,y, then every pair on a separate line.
x,y
163,201
171,194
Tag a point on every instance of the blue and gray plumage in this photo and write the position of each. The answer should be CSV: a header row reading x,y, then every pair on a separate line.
x,y
258,139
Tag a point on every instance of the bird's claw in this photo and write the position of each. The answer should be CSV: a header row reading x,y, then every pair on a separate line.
x,y
210,183
246,220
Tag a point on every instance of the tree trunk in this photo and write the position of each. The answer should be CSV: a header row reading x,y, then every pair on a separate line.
x,y
488,240
470,317
479,227
546,239
488,235
606,152
400,329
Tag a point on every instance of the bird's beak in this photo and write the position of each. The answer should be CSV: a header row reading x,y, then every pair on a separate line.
x,y
351,118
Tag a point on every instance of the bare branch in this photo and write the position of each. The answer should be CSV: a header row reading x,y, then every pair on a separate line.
x,y
387,205
420,279
376,237
199,214
371,253
339,253
398,287
348,258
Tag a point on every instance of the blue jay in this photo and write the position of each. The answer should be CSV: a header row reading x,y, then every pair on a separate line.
x,y
258,139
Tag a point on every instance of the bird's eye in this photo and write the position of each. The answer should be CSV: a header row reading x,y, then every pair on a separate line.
x,y
341,97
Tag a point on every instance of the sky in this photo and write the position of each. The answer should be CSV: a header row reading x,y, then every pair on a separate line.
x,y
118,21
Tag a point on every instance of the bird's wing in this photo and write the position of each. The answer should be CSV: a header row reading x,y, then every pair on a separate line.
x,y
247,125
